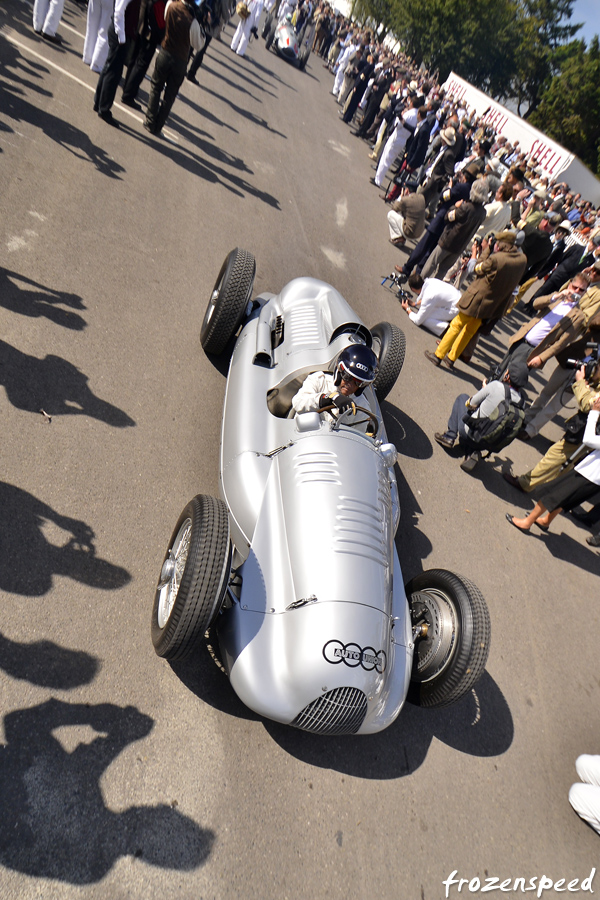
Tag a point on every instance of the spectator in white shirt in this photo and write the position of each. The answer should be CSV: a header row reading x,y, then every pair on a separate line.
x,y
435,306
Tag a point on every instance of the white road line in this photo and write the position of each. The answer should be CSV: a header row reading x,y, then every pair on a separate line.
x,y
168,134
336,258
341,213
72,30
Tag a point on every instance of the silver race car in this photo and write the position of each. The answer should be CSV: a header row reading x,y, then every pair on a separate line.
x,y
295,568
284,40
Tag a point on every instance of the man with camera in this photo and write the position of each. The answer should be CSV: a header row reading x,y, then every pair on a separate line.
x,y
566,318
496,276
586,388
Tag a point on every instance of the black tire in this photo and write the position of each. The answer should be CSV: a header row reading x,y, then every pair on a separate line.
x,y
189,595
228,301
303,58
271,36
450,660
389,345
266,26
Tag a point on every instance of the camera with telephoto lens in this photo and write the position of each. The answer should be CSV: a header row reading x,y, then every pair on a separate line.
x,y
589,363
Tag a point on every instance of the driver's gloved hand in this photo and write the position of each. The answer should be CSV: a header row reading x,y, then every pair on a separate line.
x,y
325,400
341,401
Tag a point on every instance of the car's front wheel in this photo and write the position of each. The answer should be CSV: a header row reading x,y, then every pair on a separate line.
x,y
451,623
193,578
303,58
389,346
228,301
270,36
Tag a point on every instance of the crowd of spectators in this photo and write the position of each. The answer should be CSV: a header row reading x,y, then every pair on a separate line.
x,y
485,227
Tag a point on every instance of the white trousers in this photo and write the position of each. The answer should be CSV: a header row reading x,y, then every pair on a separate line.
x,y
242,36
393,146
396,223
585,798
339,77
95,48
46,15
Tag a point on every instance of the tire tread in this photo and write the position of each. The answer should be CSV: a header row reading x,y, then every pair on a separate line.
x,y
392,353
237,273
203,581
468,664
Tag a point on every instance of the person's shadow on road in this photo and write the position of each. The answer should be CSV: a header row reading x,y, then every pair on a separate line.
x,y
29,557
55,823
47,664
55,386
14,105
27,297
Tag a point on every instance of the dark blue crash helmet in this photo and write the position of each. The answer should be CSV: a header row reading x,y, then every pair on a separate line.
x,y
359,362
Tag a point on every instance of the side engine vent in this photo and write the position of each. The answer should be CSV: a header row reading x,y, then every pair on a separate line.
x,y
341,711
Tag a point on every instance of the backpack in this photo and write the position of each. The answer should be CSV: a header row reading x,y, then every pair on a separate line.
x,y
493,433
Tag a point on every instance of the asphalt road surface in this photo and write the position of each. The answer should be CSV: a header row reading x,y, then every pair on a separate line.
x,y
122,776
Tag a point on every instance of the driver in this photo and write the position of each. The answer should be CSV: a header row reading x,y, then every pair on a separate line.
x,y
356,368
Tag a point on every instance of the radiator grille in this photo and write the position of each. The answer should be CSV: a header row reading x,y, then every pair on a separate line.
x,y
341,711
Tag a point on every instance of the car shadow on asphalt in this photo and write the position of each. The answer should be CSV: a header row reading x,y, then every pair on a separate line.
x,y
203,674
38,543
55,823
480,724
26,297
410,440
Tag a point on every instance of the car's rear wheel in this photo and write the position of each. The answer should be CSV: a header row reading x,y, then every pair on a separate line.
x,y
271,36
389,345
228,301
303,58
266,26
453,639
193,578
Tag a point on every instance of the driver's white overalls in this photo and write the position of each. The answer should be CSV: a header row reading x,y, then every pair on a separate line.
x,y
318,383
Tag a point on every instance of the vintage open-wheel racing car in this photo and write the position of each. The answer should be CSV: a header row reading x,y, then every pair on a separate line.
x,y
284,40
295,568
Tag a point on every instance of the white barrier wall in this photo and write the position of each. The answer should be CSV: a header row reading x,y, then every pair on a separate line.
x,y
556,162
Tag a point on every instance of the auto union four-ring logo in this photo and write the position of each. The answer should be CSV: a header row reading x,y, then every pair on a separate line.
x,y
353,656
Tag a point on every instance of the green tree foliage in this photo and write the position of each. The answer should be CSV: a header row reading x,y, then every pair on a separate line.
x,y
508,48
475,38
569,111
377,14
543,28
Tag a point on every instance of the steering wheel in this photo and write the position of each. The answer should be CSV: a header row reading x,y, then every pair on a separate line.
x,y
374,421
